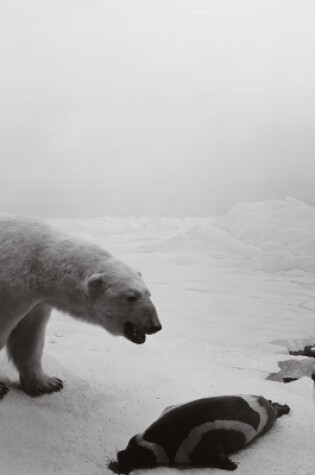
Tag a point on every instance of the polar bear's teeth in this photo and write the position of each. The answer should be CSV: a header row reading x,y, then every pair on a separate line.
x,y
133,333
139,336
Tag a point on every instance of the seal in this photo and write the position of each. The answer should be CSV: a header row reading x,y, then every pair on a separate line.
x,y
200,433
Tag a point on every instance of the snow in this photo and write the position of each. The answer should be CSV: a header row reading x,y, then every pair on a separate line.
x,y
231,292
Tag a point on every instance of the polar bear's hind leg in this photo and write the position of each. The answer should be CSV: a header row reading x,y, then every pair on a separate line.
x,y
25,348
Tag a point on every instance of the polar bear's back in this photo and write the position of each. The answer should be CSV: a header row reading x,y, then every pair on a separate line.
x,y
21,240
25,225
17,233
33,251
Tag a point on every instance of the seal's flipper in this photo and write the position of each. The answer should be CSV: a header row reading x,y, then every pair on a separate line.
x,y
224,462
115,467
280,408
217,458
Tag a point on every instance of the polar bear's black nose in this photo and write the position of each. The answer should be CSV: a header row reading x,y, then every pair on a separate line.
x,y
155,328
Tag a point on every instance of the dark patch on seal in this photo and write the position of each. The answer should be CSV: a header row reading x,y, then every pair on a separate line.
x,y
222,442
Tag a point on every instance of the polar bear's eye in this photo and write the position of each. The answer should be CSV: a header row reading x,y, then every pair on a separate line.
x,y
132,298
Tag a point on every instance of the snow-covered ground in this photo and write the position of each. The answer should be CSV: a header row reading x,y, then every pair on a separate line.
x,y
225,289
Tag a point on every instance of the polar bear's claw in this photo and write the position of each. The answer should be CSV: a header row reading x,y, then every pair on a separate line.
x,y
45,386
3,390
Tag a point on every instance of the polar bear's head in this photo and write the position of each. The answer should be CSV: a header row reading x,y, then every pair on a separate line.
x,y
120,302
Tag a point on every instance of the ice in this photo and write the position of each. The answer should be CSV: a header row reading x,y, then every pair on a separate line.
x,y
271,236
225,289
284,231
205,238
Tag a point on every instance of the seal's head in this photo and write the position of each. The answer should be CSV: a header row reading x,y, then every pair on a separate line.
x,y
134,456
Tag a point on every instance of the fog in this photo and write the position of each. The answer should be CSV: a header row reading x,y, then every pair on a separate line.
x,y
155,107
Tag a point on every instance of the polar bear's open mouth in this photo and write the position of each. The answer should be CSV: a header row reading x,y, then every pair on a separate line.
x,y
133,333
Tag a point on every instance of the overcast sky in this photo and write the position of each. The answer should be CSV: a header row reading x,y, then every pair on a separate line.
x,y
163,107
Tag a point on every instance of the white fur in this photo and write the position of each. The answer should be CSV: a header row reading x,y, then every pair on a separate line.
x,y
194,437
40,269
158,451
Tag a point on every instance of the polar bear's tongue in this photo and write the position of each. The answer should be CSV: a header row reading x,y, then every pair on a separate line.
x,y
133,333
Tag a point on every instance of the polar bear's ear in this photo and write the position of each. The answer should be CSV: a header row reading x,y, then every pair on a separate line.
x,y
95,285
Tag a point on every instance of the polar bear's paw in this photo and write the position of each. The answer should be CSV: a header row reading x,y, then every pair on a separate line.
x,y
41,386
3,390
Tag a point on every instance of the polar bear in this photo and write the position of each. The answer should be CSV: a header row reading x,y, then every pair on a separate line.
x,y
41,269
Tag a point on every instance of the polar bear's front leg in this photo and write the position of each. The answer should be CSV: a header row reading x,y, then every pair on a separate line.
x,y
25,347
